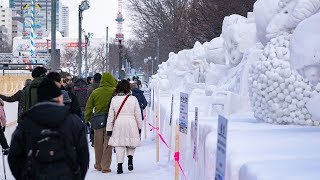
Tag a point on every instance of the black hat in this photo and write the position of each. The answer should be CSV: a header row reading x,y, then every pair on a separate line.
x,y
38,71
48,90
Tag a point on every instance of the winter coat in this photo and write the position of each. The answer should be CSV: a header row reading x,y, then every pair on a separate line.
x,y
80,90
30,93
92,87
100,97
125,129
141,99
3,140
74,106
51,115
18,96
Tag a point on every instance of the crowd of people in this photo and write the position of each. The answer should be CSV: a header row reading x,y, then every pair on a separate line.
x,y
55,114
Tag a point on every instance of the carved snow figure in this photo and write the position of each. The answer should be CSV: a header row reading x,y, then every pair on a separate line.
x,y
239,36
214,51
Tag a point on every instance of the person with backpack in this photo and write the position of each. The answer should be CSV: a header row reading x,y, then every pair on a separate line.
x,y
18,96
98,103
136,92
30,93
50,143
124,124
3,120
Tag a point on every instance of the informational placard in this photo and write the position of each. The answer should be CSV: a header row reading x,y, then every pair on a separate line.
x,y
171,111
195,135
221,148
152,98
183,117
150,94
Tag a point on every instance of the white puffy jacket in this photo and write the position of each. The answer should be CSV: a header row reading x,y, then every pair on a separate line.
x,y
125,129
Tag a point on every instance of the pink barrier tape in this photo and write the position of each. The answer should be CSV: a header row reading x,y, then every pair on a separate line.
x,y
176,154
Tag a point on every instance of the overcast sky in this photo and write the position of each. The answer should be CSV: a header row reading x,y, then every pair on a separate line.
x,y
102,13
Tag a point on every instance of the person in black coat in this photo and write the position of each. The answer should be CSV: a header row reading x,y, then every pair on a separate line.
x,y
52,114
74,106
139,95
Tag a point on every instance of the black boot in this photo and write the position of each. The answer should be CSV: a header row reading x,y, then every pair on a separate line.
x,y
120,170
130,163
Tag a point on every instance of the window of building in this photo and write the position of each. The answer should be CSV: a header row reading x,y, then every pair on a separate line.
x,y
3,15
3,21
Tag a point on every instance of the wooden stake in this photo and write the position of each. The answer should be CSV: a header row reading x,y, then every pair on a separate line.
x,y
145,123
177,149
157,137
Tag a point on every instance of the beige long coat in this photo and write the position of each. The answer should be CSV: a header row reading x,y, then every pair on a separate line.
x,y
125,130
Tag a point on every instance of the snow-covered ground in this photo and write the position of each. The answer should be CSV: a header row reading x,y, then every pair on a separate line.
x,y
145,166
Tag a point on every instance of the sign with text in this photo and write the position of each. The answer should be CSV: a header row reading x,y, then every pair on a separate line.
x,y
221,148
183,117
195,137
171,111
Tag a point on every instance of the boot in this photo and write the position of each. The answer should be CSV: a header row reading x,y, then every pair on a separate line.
x,y
119,170
130,163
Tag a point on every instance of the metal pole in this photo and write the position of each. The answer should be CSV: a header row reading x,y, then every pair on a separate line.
x,y
24,29
120,59
46,15
80,43
53,35
107,50
86,55
158,52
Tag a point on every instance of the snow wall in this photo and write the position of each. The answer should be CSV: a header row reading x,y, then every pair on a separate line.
x,y
266,64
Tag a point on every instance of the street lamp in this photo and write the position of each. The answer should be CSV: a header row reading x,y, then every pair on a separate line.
x,y
87,42
84,6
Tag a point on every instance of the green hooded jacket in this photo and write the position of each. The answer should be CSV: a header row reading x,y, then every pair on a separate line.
x,y
101,97
30,93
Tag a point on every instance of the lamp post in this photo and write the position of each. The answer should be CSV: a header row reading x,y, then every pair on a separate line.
x,y
87,42
84,6
53,35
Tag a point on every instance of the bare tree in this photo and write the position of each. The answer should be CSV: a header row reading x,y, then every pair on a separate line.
x,y
70,56
5,47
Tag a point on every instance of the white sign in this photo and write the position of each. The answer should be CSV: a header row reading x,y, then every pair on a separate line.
x,y
171,111
183,117
221,148
195,137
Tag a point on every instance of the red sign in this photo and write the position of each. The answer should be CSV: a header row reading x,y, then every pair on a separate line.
x,y
75,44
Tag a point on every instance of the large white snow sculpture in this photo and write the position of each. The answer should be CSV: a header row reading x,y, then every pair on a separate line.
x,y
278,93
239,35
214,51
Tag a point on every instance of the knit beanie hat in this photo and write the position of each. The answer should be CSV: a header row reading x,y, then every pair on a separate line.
x,y
38,71
48,90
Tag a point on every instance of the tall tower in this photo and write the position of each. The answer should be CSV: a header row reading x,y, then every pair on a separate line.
x,y
119,39
120,35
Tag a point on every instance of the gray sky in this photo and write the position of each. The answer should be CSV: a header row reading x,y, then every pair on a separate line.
x,y
102,13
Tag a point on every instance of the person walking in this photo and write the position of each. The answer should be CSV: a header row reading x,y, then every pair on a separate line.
x,y
30,93
50,143
73,107
136,92
91,88
18,96
124,124
98,103
3,120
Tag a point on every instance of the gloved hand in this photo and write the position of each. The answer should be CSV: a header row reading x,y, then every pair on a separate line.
x,y
139,131
109,133
5,151
3,128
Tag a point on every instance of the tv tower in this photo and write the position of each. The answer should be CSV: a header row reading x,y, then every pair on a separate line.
x,y
119,38
120,35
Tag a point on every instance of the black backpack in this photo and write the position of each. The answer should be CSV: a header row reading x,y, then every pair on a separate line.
x,y
49,154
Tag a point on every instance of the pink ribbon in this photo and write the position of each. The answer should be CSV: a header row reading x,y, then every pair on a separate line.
x,y
176,154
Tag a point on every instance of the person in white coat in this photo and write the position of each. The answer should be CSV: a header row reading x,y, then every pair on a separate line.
x,y
124,128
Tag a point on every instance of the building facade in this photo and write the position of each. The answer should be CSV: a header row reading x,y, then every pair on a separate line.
x,y
43,13
17,26
65,21
6,21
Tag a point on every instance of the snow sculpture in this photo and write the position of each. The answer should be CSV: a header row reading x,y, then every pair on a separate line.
x,y
239,35
278,93
214,51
